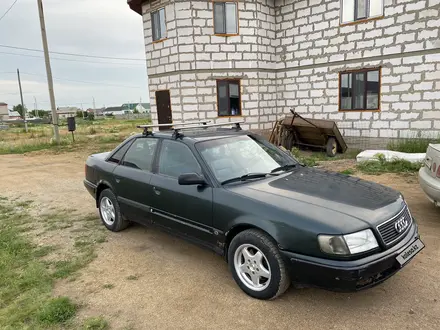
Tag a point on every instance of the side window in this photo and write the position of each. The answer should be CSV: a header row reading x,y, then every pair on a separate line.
x,y
117,156
158,24
141,154
225,17
176,159
360,90
228,97
356,10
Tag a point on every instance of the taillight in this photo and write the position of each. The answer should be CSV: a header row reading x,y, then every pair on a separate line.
x,y
438,172
434,167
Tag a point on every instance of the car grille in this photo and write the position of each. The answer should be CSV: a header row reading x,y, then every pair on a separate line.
x,y
393,229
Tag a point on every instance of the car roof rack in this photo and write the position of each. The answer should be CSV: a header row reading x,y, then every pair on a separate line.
x,y
177,130
148,128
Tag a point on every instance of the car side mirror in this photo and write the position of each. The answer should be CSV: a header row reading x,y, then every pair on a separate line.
x,y
191,179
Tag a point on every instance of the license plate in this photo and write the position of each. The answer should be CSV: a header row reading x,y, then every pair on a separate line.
x,y
410,252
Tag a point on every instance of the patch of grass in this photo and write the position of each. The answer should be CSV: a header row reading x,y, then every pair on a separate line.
x,y
95,323
381,165
348,171
132,277
57,311
65,268
44,251
312,158
413,145
108,286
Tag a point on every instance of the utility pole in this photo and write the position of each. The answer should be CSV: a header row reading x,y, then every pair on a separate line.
x,y
22,103
36,108
94,105
49,72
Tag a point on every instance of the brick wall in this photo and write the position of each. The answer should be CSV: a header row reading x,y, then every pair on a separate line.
x,y
289,54
405,43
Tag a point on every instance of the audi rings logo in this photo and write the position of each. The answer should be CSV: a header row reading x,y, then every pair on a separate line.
x,y
401,224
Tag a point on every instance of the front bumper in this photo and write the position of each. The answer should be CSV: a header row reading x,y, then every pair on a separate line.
x,y
351,275
430,185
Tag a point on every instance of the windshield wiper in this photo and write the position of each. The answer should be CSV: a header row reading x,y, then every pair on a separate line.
x,y
246,177
284,168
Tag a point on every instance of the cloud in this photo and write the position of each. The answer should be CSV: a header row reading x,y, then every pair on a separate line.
x,y
93,27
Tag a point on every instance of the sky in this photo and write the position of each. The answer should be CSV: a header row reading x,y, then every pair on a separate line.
x,y
106,28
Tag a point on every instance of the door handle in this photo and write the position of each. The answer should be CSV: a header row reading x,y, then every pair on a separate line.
x,y
117,180
156,191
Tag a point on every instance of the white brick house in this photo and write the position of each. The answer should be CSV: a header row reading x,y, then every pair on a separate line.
x,y
371,65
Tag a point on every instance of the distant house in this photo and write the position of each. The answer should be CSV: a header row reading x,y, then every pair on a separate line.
x,y
3,111
140,107
65,112
13,115
113,111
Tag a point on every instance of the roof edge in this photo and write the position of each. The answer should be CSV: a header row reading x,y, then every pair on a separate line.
x,y
136,5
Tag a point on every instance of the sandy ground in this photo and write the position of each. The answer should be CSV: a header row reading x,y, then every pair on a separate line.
x,y
161,282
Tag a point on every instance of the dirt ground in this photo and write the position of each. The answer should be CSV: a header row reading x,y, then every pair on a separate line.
x,y
161,282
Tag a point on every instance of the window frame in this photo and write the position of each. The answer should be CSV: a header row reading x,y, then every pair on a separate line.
x,y
228,80
237,18
165,24
119,148
121,163
156,165
355,19
365,71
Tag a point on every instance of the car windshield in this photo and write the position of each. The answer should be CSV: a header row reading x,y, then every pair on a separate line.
x,y
236,156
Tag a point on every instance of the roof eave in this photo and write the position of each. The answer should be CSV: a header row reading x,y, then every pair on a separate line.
x,y
136,5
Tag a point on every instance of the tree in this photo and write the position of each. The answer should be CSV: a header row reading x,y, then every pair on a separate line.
x,y
20,109
135,111
91,116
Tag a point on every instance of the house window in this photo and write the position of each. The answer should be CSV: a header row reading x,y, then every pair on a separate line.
x,y
355,10
360,90
228,98
158,24
225,17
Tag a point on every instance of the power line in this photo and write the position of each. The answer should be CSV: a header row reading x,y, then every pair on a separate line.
x,y
76,81
72,60
80,81
73,54
7,11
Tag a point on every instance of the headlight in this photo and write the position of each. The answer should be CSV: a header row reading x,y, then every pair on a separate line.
x,y
348,244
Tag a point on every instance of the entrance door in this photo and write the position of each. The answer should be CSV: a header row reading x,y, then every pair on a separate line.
x,y
163,104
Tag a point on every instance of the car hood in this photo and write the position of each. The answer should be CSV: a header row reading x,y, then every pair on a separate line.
x,y
324,194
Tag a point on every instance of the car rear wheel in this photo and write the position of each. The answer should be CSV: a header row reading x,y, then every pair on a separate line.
x,y
257,265
110,212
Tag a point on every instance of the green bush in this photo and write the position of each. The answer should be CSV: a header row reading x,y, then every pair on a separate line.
x,y
382,166
413,145
308,161
57,310
95,323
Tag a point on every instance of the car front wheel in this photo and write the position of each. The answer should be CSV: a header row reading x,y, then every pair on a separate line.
x,y
110,213
257,266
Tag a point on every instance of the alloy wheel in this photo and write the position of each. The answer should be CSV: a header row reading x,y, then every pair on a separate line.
x,y
252,267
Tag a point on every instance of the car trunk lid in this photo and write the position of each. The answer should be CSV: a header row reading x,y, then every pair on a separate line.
x,y
432,160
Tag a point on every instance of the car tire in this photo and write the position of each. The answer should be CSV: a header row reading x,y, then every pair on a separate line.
x,y
110,212
331,147
273,278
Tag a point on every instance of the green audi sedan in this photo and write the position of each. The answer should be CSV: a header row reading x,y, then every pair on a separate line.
x,y
274,220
